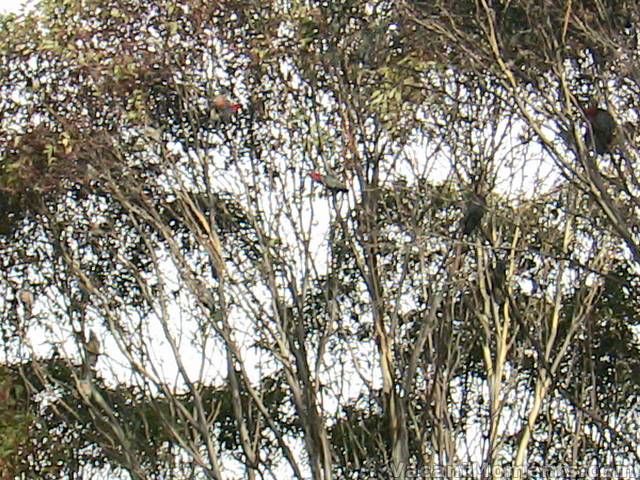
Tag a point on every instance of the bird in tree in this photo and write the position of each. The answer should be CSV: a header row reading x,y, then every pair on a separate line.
x,y
26,297
93,349
222,103
224,109
499,277
329,181
476,208
603,126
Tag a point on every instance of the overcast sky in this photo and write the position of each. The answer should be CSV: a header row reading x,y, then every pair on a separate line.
x,y
10,5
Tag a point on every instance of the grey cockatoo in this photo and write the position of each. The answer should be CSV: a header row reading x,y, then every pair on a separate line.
x,y
476,208
329,181
93,349
603,126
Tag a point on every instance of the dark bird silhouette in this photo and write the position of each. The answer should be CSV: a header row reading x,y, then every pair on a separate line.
x,y
603,126
498,279
476,208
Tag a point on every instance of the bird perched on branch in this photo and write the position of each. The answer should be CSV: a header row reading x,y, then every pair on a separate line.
x,y
222,103
224,109
603,126
476,208
498,279
329,181
26,297
499,274
93,349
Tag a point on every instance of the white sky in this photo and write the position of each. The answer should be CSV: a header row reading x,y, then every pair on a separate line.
x,y
10,5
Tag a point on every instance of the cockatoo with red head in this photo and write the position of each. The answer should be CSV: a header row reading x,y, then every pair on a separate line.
x,y
329,181
222,103
223,109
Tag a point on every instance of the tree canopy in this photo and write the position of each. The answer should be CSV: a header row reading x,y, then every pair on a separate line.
x,y
182,300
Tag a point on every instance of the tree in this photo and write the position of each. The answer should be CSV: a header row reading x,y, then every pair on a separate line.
x,y
251,328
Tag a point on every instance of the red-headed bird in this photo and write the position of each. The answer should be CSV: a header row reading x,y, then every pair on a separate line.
x,y
329,181
603,127
222,103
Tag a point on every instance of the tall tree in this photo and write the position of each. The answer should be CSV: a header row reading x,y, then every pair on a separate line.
x,y
182,302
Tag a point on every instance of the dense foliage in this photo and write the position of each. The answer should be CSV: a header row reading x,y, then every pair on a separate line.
x,y
469,303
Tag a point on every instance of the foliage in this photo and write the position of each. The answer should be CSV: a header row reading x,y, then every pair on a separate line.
x,y
252,323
